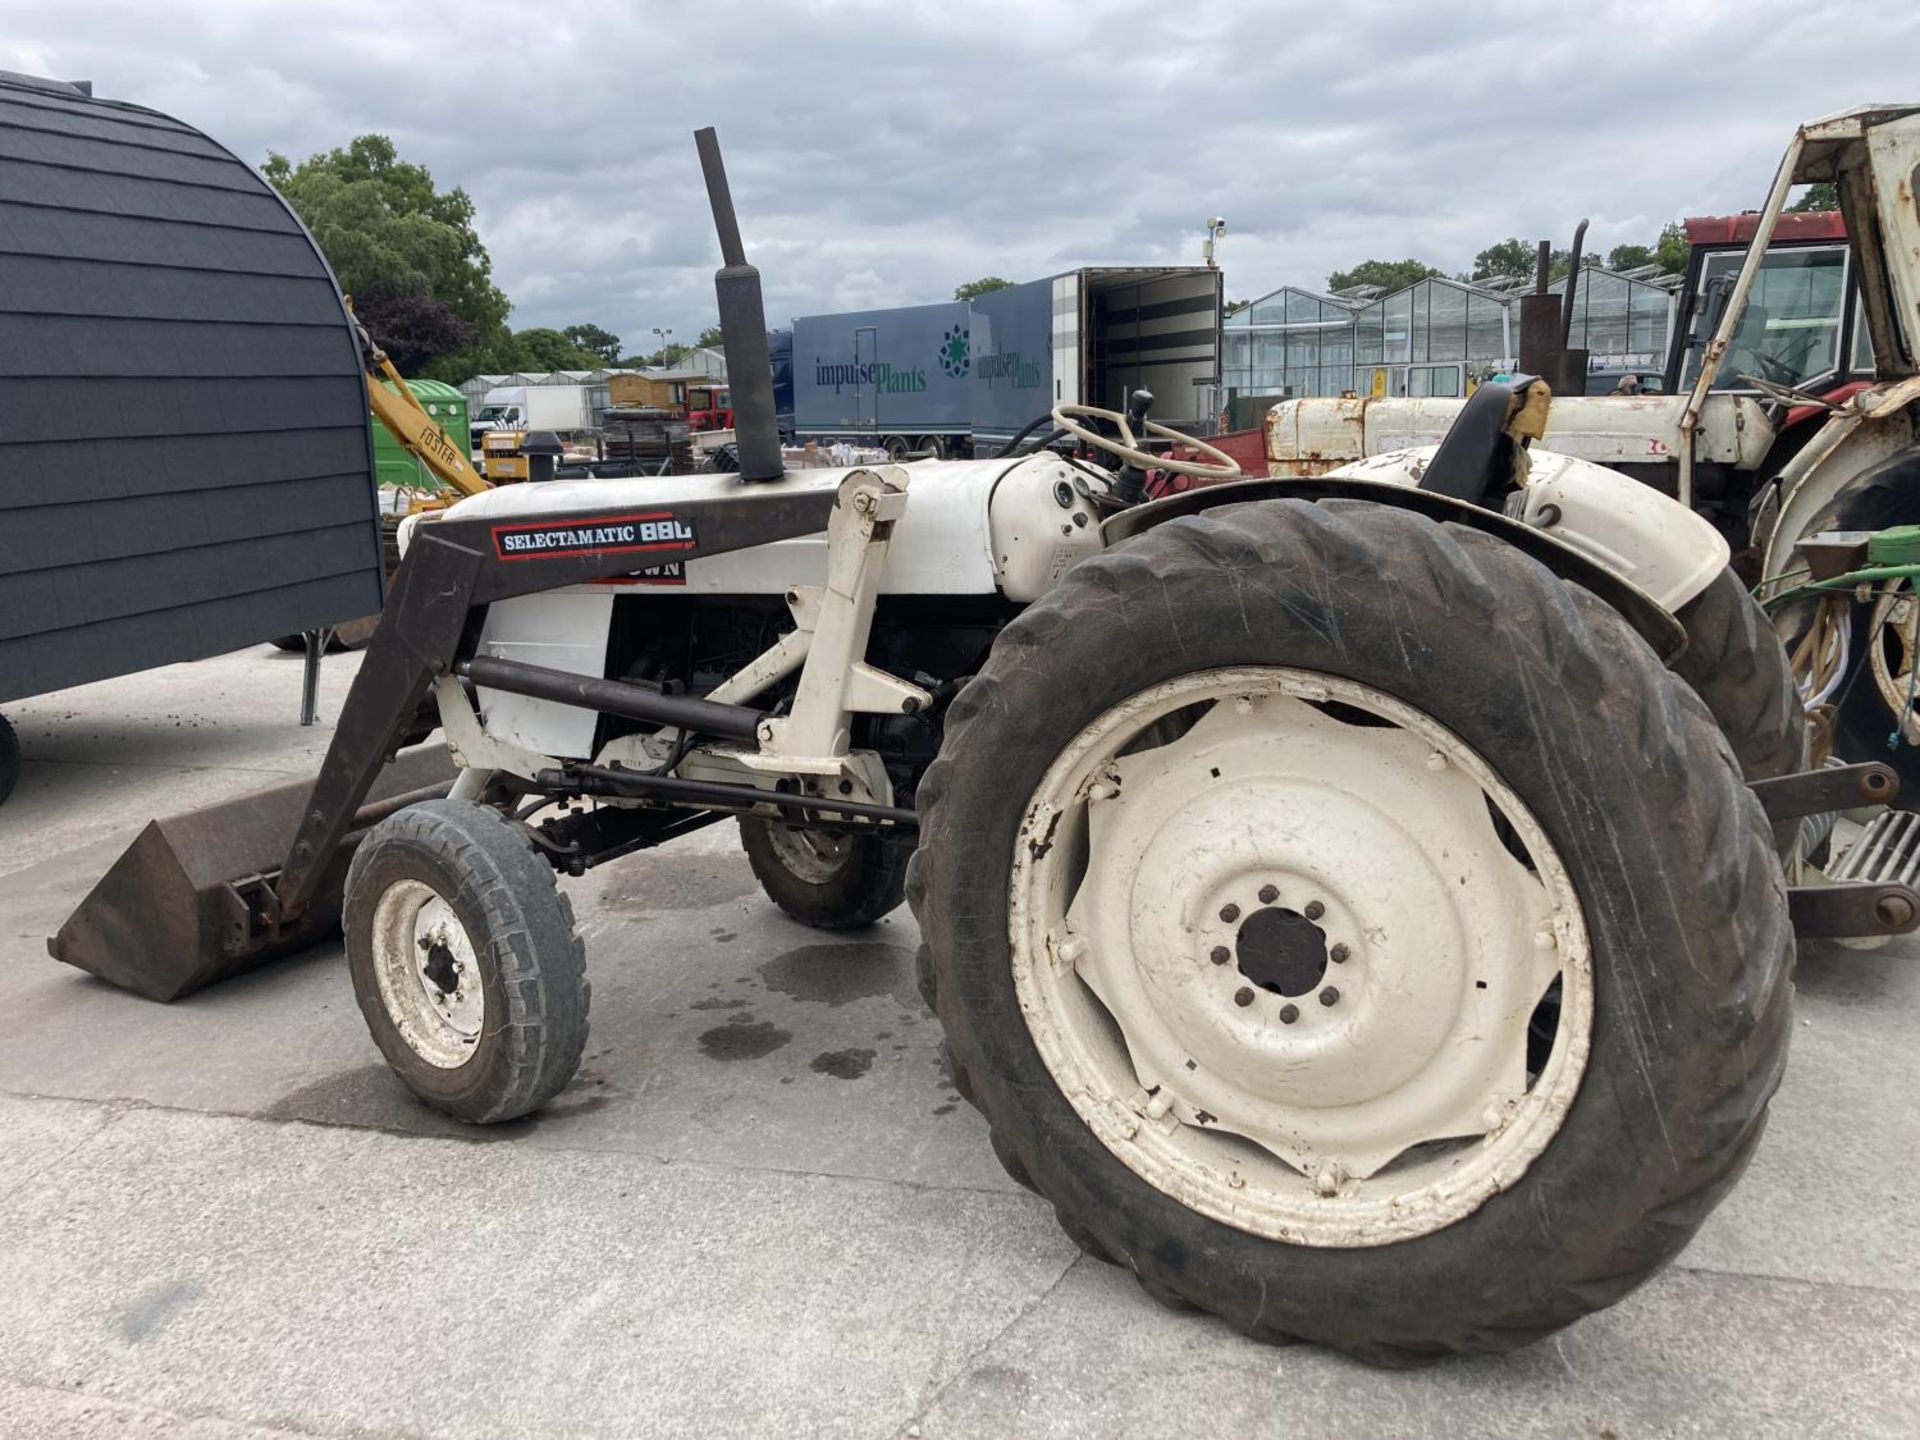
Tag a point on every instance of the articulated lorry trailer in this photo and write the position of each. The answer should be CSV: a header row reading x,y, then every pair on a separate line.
x,y
897,378
966,377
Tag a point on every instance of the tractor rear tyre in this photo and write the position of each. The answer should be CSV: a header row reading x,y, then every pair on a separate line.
x,y
1298,882
1735,662
465,962
827,881
9,758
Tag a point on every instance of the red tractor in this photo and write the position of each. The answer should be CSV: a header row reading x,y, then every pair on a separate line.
x,y
709,407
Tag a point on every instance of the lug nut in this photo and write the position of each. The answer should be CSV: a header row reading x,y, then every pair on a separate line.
x,y
1219,954
1229,913
1315,910
1329,996
1289,1014
1243,997
1269,894
1339,954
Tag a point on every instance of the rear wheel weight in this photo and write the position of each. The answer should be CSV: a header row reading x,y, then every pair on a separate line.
x,y
464,961
1595,760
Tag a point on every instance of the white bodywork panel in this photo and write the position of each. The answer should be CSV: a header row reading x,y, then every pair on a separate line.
x,y
1646,538
562,630
972,527
1309,437
968,528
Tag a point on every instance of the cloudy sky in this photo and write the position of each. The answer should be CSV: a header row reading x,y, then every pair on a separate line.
x,y
882,151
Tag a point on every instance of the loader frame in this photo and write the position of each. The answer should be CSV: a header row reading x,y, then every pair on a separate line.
x,y
430,635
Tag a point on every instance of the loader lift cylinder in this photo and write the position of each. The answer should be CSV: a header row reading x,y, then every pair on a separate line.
x,y
743,328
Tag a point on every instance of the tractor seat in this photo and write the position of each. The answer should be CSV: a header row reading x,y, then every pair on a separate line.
x,y
1475,459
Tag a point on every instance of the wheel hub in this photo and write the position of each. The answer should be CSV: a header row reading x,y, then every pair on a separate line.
x,y
1282,951
428,974
1304,930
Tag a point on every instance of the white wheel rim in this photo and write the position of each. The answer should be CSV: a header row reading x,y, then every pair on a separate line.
x,y
428,974
1397,1108
811,856
1893,645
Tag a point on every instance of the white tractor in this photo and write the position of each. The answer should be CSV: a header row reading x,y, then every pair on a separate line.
x,y
1344,898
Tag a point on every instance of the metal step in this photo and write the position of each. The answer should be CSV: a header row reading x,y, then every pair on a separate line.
x,y
1887,851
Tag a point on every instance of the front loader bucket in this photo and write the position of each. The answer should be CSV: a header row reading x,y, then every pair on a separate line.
x,y
186,905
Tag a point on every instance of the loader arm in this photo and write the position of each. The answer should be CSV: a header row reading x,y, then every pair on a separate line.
x,y
395,406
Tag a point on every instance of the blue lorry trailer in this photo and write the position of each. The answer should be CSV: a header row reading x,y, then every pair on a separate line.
x,y
964,377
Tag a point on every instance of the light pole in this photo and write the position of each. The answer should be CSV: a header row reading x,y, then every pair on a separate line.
x,y
663,336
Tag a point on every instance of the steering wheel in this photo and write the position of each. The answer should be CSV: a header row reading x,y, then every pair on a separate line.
x,y
1127,448
1786,394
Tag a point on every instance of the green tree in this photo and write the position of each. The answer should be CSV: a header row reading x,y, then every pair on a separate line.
x,y
389,232
1629,257
1514,259
1389,275
710,338
1823,195
1234,307
1670,250
602,344
541,349
973,289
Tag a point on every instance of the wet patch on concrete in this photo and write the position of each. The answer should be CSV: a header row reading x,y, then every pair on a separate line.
x,y
679,882
743,1038
373,1098
843,1064
839,974
718,1004
943,1109
154,1310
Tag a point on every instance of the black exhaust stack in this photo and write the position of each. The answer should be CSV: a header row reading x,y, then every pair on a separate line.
x,y
743,328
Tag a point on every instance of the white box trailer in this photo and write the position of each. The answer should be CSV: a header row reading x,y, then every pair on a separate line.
x,y
1091,337
559,408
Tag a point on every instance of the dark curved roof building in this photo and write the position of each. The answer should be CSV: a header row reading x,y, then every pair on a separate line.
x,y
185,462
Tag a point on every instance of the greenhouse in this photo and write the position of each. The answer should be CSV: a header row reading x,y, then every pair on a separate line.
x,y
1622,322
1292,342
1436,337
1433,338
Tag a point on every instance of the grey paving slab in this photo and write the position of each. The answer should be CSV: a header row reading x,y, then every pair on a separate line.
x,y
1672,1360
721,1030
1830,1196
97,760
37,1412
35,1139
335,1280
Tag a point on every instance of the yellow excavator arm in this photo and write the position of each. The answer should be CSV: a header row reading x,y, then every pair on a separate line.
x,y
409,423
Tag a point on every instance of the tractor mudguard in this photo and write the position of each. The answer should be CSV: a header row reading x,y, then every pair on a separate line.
x,y
1653,621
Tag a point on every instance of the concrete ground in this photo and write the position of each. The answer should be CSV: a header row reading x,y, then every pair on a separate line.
x,y
759,1210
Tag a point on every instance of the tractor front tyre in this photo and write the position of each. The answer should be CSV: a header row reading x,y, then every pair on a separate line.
x,y
1301,886
465,962
825,880
9,758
